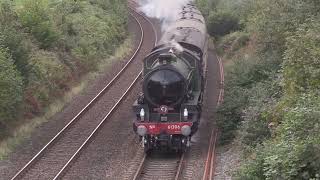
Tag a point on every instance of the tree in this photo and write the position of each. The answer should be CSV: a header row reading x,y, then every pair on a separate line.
x,y
10,87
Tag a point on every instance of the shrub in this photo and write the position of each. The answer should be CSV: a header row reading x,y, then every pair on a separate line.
x,y
280,86
233,42
273,20
249,92
10,88
205,6
252,168
230,113
35,16
302,59
238,81
13,39
294,153
91,31
49,76
222,22
254,128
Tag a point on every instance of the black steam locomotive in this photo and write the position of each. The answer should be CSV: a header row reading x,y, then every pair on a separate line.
x,y
168,109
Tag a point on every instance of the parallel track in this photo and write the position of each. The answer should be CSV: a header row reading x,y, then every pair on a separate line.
x,y
67,130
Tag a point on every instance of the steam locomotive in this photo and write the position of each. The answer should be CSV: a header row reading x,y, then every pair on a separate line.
x,y
169,108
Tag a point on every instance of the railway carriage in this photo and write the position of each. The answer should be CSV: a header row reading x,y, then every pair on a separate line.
x,y
169,108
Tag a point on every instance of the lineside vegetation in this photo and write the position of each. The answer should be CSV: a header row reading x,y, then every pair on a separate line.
x,y
46,46
272,105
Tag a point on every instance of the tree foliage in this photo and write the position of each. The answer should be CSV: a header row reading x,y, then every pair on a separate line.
x,y
14,39
302,59
48,45
222,23
10,87
272,87
35,15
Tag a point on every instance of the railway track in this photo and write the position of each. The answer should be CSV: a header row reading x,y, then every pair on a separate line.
x,y
209,170
53,160
160,166
172,166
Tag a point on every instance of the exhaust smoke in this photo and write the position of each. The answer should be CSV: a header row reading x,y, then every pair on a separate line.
x,y
177,47
165,10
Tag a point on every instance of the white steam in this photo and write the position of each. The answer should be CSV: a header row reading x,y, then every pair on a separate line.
x,y
177,47
165,10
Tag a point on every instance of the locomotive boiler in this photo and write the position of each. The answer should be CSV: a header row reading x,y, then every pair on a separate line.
x,y
169,108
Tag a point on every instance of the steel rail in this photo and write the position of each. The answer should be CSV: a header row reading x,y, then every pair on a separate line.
x,y
64,168
85,143
143,161
59,134
209,170
179,170
139,170
147,19
213,157
221,94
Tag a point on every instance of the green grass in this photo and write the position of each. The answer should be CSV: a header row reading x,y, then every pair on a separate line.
x,y
24,131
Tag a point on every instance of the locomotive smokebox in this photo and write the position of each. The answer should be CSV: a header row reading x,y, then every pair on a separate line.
x,y
165,84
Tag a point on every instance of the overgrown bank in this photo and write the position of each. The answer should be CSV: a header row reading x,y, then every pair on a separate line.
x,y
272,50
47,46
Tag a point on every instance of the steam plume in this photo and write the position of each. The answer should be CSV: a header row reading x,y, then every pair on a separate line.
x,y
177,47
164,10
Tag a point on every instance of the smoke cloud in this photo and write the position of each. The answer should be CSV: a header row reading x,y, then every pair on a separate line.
x,y
177,48
165,10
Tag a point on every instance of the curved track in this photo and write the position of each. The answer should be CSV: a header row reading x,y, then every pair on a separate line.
x,y
54,158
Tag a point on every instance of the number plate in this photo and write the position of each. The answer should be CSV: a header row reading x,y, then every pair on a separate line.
x,y
164,127
174,127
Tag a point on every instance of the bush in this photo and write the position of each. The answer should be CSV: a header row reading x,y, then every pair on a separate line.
x,y
294,154
205,6
272,21
49,45
302,59
277,84
49,77
233,42
35,15
230,113
254,128
10,88
250,92
238,81
13,39
91,31
252,168
221,22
